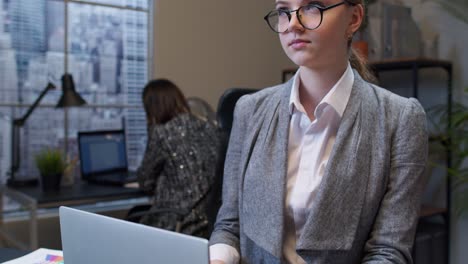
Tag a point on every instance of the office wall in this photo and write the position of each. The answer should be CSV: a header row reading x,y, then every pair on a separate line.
x,y
209,46
451,32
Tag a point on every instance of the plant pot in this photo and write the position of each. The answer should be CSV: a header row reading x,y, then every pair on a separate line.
x,y
51,182
362,47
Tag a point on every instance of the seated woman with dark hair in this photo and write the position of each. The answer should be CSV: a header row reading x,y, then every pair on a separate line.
x,y
179,165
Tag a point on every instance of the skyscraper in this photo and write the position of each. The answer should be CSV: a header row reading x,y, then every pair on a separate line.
x,y
2,18
108,67
5,147
135,69
8,69
29,27
28,34
8,94
107,55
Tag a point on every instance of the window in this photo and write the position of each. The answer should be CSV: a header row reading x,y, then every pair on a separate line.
x,y
107,54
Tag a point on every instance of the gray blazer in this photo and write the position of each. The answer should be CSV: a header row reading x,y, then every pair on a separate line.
x,y
367,206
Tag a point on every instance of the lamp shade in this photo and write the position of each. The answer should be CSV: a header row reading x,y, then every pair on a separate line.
x,y
69,95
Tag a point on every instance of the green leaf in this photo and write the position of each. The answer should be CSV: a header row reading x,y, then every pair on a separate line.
x,y
454,139
460,203
50,161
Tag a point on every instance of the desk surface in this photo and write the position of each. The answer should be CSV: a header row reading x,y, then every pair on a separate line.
x,y
7,254
32,198
78,193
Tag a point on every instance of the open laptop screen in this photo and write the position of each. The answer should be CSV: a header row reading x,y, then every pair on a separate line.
x,y
102,151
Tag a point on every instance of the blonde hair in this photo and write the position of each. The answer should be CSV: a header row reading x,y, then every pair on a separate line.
x,y
357,61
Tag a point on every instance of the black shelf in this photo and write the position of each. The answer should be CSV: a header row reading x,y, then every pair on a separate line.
x,y
409,63
415,64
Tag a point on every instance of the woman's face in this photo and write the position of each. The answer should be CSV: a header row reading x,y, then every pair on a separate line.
x,y
326,45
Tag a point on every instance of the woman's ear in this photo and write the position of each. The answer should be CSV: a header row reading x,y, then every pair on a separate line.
x,y
357,17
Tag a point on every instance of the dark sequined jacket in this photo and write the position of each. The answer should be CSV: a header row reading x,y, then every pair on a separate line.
x,y
178,169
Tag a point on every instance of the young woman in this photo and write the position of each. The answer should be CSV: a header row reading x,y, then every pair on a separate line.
x,y
326,168
179,163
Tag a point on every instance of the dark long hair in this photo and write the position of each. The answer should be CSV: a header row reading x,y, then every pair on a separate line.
x,y
162,101
357,61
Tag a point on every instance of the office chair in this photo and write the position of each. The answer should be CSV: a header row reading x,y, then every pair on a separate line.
x,y
202,109
225,116
226,105
136,213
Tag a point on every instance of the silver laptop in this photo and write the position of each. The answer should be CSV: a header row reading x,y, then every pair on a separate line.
x,y
93,238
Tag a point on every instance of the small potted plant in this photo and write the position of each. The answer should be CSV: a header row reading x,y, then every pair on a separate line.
x,y
51,165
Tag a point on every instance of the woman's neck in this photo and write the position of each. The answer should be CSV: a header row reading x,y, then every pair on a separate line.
x,y
316,83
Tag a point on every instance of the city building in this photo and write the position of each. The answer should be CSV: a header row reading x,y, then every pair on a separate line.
x,y
107,50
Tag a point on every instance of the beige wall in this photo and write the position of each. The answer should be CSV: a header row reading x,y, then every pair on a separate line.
x,y
208,46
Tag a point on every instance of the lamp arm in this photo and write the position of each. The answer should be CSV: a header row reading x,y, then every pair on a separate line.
x,y
20,121
15,132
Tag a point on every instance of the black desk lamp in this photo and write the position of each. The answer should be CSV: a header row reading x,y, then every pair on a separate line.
x,y
69,98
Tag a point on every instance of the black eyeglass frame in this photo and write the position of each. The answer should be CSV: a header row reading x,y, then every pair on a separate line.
x,y
289,14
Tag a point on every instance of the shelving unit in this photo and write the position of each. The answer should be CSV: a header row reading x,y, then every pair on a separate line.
x,y
415,64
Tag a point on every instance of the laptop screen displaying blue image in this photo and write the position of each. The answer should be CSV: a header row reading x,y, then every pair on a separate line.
x,y
102,151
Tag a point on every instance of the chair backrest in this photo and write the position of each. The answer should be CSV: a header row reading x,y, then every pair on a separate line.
x,y
225,114
226,105
201,109
214,196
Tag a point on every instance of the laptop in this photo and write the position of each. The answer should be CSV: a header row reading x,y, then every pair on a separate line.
x,y
103,157
93,238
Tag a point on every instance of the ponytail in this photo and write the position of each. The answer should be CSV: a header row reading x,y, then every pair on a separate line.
x,y
359,63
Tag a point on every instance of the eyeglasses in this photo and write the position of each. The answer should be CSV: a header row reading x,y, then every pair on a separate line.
x,y
309,16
